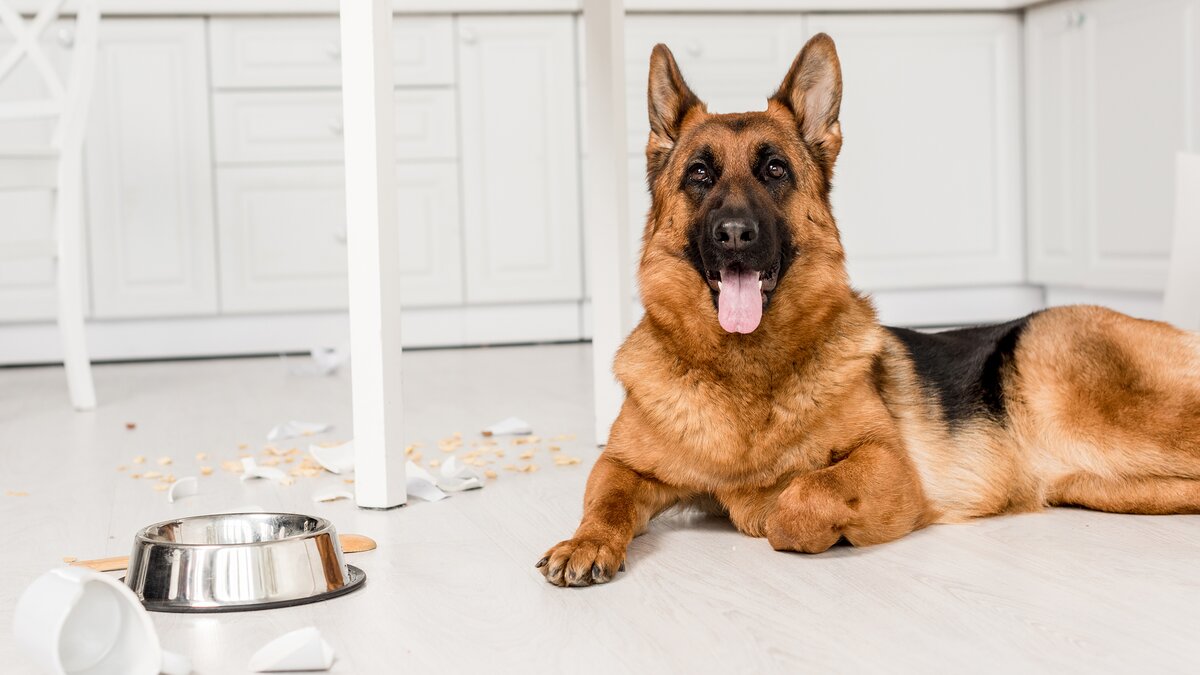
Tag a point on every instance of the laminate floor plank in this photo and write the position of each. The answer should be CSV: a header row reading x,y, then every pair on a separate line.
x,y
452,587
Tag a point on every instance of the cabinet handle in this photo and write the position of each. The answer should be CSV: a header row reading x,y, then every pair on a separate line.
x,y
66,37
334,50
336,126
469,37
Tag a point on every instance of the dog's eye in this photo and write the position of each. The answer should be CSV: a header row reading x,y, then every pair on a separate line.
x,y
776,169
699,173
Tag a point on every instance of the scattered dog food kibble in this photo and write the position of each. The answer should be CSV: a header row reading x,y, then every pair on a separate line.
x,y
162,487
492,475
130,426
17,493
206,471
164,461
201,456
140,459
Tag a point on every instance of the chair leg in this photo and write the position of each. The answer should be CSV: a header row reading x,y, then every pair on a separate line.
x,y
69,233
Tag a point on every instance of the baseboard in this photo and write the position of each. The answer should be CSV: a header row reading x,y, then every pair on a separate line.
x,y
922,308
1142,304
27,343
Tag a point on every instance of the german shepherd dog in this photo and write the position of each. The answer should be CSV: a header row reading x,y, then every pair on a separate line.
x,y
761,386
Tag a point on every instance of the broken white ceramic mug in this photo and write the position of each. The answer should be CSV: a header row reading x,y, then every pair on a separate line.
x,y
74,621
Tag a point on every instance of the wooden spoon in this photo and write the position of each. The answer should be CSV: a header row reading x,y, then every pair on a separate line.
x,y
351,543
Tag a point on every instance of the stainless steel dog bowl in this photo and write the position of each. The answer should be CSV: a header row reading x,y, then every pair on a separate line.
x,y
239,561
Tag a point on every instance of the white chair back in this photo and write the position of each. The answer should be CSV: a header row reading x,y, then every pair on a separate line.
x,y
66,102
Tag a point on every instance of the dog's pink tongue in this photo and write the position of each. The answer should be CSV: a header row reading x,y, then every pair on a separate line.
x,y
739,305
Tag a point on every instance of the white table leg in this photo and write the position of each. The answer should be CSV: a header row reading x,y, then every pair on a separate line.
x,y
606,201
373,246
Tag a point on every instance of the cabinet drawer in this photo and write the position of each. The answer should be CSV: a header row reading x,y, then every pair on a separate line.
x,y
283,230
306,52
307,126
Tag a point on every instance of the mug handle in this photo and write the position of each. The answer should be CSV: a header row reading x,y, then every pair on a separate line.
x,y
175,664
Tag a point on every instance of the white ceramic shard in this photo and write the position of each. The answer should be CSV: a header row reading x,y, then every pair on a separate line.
x,y
456,476
323,361
293,428
509,426
184,487
337,459
251,469
332,494
420,483
302,649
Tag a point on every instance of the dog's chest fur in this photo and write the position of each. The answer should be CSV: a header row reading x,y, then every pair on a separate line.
x,y
745,425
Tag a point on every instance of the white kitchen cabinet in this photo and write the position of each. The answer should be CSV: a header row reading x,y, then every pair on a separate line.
x,y
306,126
927,189
733,63
270,53
149,172
520,158
283,237
27,287
1112,98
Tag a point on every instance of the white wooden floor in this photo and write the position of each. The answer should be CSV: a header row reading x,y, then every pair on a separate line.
x,y
452,587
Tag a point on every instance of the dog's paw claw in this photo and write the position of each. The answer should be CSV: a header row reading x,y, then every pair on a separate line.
x,y
581,562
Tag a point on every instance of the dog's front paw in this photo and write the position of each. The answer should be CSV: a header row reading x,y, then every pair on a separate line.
x,y
808,518
582,561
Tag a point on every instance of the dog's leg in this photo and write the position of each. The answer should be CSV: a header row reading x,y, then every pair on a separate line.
x,y
1149,495
872,496
618,504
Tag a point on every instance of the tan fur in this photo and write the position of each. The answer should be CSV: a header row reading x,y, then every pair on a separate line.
x,y
816,426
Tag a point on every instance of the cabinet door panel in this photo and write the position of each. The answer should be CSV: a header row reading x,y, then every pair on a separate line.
x,y
927,188
732,62
27,287
306,52
149,172
307,126
1140,67
520,158
283,237
1054,143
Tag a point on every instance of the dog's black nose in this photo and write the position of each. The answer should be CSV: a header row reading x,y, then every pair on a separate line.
x,y
735,234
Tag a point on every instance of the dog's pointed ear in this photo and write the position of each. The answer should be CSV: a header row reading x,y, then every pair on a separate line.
x,y
669,100
812,90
